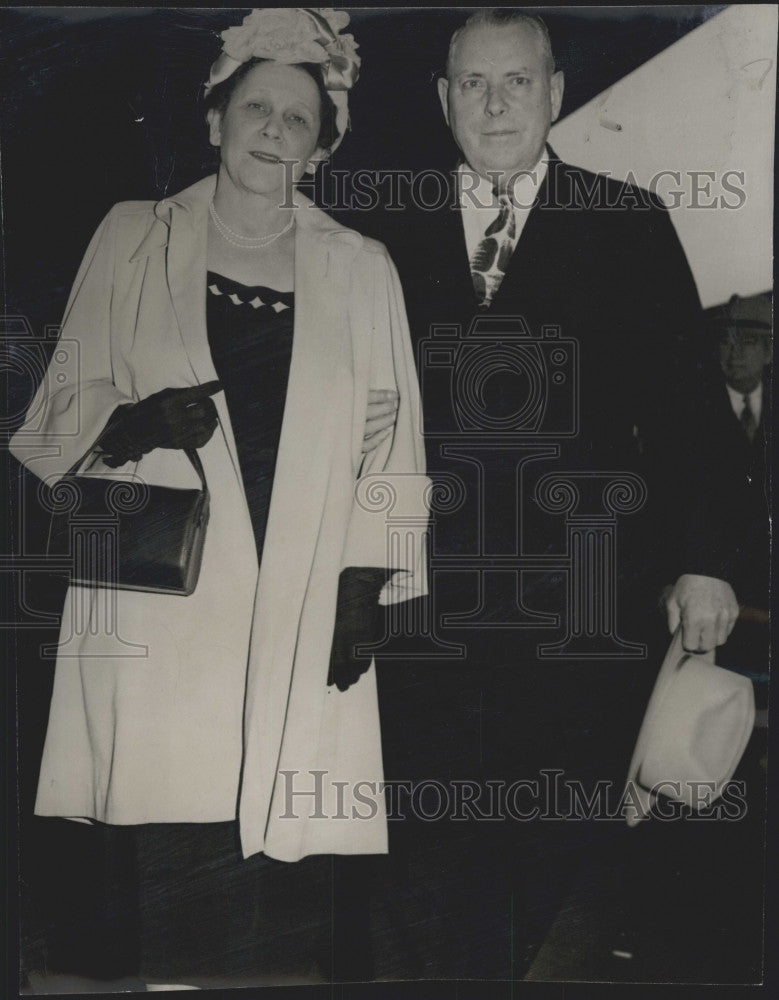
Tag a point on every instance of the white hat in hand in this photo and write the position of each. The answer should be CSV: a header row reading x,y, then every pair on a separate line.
x,y
695,730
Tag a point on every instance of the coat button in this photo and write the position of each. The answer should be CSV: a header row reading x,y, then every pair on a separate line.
x,y
749,480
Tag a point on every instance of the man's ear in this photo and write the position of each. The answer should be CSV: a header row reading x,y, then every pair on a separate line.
x,y
443,96
214,120
556,88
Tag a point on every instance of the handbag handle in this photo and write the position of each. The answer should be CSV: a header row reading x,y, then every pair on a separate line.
x,y
194,458
191,454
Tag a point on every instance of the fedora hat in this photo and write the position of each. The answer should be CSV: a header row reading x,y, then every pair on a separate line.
x,y
752,312
695,730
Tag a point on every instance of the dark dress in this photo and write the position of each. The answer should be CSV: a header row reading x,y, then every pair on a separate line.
x,y
250,336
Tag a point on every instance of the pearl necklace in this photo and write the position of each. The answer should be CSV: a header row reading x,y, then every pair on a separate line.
x,y
247,242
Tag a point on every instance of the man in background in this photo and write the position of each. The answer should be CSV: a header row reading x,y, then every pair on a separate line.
x,y
732,432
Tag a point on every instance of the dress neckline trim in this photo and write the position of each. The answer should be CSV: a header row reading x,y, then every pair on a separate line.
x,y
268,295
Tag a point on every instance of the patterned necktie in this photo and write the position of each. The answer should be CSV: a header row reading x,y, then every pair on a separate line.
x,y
491,257
748,421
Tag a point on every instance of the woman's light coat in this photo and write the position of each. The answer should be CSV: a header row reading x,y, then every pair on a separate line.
x,y
208,707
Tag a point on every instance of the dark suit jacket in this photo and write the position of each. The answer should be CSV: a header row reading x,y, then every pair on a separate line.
x,y
601,260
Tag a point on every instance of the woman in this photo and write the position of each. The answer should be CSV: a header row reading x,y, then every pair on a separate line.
x,y
226,319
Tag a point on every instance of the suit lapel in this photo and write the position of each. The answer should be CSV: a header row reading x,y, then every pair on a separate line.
x,y
452,245
449,256
532,244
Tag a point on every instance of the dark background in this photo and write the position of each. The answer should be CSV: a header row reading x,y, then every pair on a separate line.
x,y
104,105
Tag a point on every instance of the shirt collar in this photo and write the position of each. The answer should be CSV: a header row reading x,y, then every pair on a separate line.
x,y
475,191
737,398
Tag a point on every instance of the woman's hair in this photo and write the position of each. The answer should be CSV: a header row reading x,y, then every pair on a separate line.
x,y
219,97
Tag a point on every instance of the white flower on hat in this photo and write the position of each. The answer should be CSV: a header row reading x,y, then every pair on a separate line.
x,y
288,35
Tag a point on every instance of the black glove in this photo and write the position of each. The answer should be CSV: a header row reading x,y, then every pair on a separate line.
x,y
172,418
359,621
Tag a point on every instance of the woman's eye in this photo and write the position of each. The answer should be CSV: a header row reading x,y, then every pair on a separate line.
x,y
297,120
258,106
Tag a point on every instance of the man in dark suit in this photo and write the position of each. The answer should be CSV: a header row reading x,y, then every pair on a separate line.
x,y
523,234
598,258
590,384
730,430
738,433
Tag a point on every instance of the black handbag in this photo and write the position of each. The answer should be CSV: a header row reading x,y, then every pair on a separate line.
x,y
129,535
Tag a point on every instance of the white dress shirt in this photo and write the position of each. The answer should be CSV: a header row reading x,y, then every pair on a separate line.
x,y
480,206
755,401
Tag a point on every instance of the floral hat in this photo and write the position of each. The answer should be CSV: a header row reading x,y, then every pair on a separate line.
x,y
295,35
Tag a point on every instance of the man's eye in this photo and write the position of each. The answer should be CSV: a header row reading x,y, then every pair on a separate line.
x,y
473,84
518,81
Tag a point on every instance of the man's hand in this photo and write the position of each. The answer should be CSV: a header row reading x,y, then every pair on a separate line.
x,y
380,417
707,609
